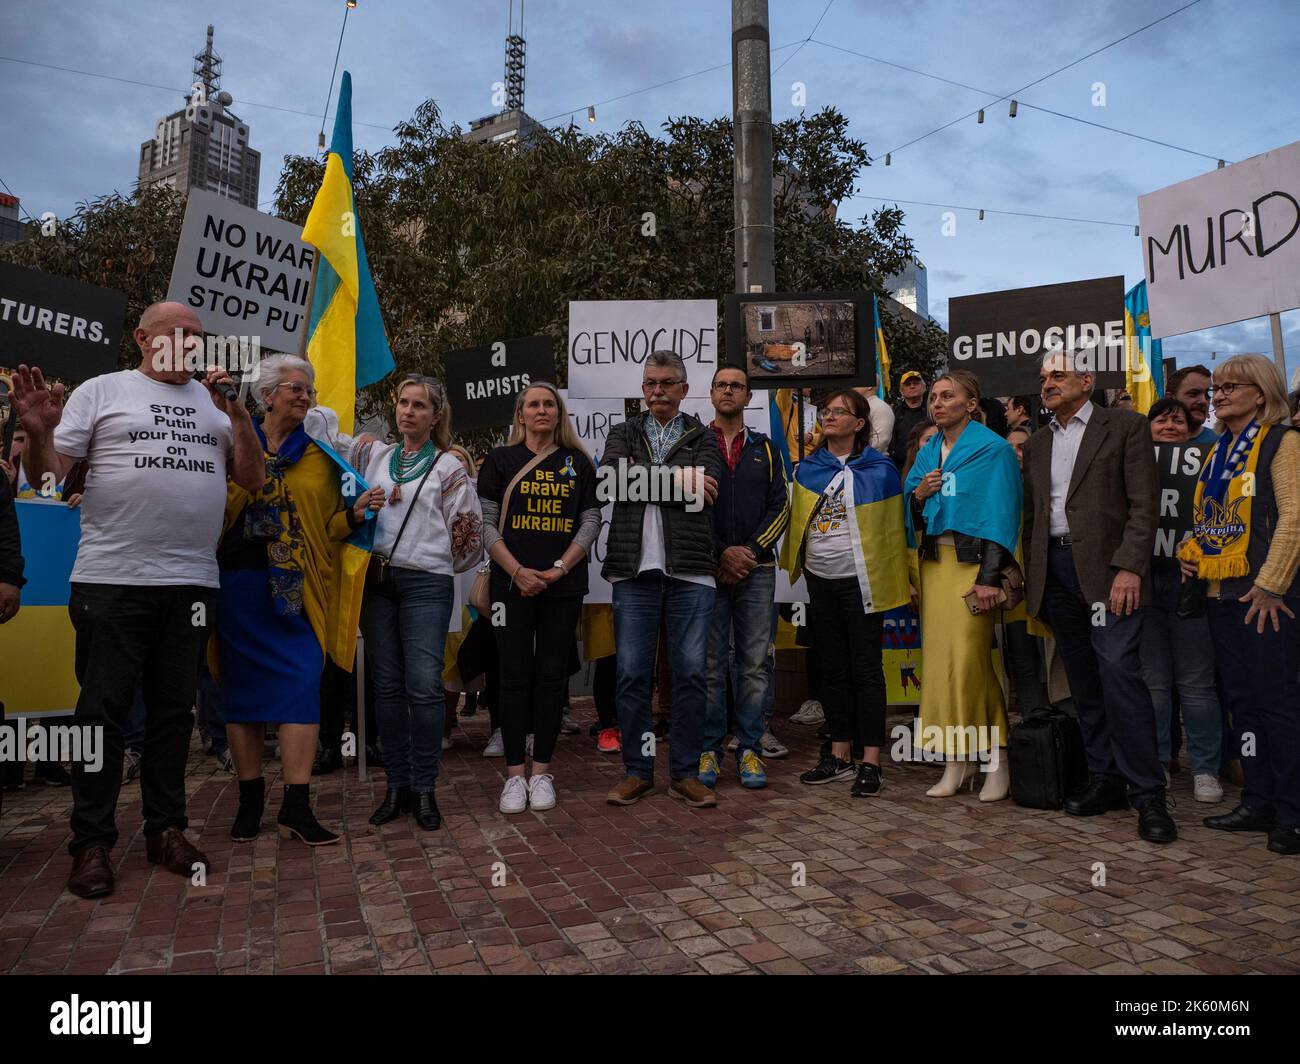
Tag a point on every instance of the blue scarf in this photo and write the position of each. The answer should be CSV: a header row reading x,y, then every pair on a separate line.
x,y
983,494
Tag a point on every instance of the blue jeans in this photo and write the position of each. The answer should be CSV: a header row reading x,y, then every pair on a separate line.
x,y
687,609
746,608
212,711
133,731
405,637
1180,650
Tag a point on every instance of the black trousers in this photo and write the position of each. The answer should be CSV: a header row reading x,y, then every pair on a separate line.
x,y
533,654
1102,662
604,685
852,687
128,637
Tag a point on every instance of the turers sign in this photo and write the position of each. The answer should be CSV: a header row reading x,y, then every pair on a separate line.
x,y
609,341
483,382
243,272
1001,336
68,328
1224,246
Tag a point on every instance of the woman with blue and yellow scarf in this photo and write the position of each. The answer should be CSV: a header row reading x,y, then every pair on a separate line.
x,y
846,538
964,496
1246,543
290,593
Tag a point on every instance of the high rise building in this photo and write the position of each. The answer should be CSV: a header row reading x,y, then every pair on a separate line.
x,y
205,145
910,287
512,122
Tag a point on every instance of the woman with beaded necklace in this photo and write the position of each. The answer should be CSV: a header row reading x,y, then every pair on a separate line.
x,y
429,529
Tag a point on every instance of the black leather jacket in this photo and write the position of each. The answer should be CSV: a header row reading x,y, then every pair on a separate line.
x,y
991,557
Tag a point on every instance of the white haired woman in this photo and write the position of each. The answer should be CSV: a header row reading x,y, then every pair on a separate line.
x,y
544,486
429,530
1246,543
279,598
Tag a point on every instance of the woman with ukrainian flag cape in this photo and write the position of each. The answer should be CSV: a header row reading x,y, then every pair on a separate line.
x,y
846,538
965,497
292,558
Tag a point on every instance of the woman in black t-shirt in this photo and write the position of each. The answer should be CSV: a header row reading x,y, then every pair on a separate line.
x,y
538,578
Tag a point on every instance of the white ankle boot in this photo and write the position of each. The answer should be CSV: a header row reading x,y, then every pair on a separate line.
x,y
997,781
955,775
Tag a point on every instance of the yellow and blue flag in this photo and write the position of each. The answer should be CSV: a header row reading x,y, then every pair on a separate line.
x,y
39,644
882,352
346,340
1144,369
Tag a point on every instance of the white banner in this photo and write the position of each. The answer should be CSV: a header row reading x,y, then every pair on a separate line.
x,y
592,419
609,340
243,272
1224,246
757,418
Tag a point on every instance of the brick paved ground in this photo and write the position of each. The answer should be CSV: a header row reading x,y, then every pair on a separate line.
x,y
902,883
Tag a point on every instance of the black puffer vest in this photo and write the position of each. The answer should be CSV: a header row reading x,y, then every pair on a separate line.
x,y
1263,520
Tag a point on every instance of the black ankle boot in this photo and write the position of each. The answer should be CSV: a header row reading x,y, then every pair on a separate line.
x,y
296,818
426,812
252,801
397,800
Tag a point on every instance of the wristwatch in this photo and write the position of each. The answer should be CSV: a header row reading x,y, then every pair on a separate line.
x,y
559,564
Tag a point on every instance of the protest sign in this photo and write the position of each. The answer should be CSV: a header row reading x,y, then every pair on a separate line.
x,y
244,273
1001,336
68,328
802,339
484,382
610,339
1224,246
592,419
1178,465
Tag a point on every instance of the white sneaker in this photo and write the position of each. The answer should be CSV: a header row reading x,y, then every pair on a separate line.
x,y
1206,788
733,745
514,795
448,742
810,712
496,746
568,726
541,792
528,747
772,746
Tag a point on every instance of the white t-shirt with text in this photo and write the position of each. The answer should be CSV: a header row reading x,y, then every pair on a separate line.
x,y
152,509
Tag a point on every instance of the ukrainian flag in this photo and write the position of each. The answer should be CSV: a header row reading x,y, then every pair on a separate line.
x,y
882,353
873,511
38,644
346,340
1144,370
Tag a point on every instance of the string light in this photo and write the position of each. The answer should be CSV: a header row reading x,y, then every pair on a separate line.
x,y
1012,113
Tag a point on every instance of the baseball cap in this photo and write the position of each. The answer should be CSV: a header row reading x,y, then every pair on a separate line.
x,y
908,376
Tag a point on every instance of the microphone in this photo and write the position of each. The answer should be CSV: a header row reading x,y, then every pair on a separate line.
x,y
223,388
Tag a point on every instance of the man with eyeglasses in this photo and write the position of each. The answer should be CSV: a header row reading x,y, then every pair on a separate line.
x,y
661,557
1191,387
752,511
1090,519
159,446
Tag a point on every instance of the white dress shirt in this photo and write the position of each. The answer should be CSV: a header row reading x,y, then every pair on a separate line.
x,y
1065,449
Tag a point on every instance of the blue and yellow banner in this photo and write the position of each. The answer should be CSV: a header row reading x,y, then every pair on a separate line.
x,y
346,339
882,352
1144,368
38,646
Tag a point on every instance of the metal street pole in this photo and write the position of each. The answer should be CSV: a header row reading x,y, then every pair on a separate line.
x,y
751,105
1279,354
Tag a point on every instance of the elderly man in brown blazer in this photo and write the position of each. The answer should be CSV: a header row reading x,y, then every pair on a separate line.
x,y
1091,496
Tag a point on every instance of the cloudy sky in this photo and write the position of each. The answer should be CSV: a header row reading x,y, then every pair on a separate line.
x,y
1217,80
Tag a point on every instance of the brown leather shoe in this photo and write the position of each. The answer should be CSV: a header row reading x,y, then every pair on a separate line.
x,y
171,849
693,793
631,790
92,875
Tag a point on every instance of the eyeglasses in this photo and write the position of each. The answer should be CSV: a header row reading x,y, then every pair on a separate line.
x,y
731,386
1227,387
836,412
297,388
657,386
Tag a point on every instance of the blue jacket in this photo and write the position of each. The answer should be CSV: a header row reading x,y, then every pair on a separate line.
x,y
753,504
